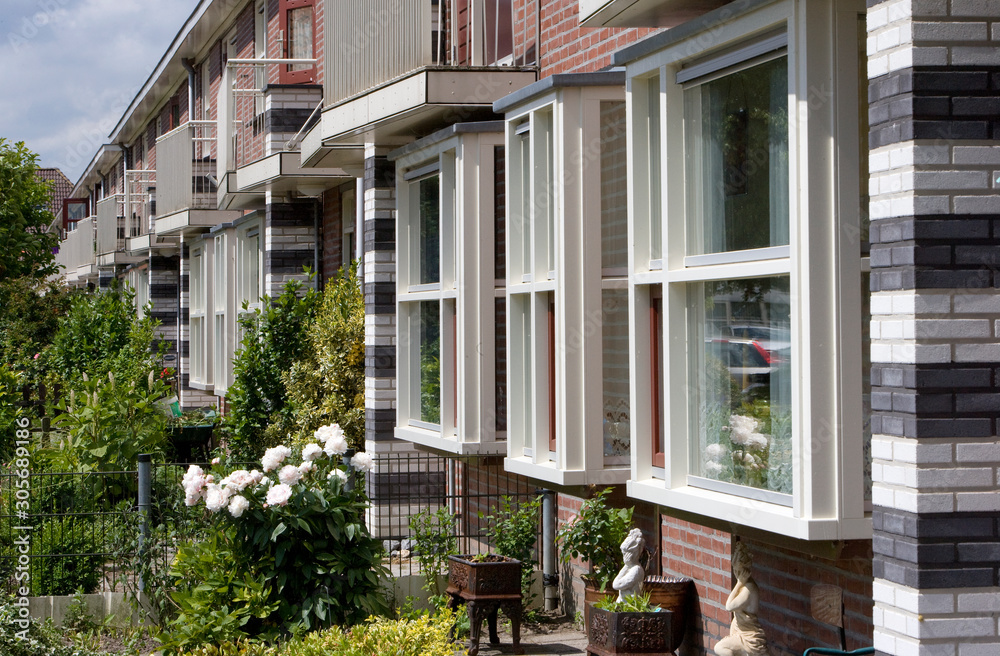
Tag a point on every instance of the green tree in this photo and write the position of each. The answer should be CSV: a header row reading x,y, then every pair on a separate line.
x,y
25,248
274,338
30,314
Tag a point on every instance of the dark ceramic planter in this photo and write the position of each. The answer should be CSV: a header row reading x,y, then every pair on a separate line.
x,y
628,634
191,443
486,588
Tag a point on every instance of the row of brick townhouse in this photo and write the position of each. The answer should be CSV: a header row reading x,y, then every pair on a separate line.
x,y
734,259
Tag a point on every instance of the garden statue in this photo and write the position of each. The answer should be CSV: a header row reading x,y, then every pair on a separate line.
x,y
746,635
631,575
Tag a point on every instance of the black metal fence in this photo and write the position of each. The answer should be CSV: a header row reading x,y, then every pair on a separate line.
x,y
81,531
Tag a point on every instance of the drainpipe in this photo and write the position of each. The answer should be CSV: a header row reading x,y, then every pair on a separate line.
x,y
317,214
189,67
550,577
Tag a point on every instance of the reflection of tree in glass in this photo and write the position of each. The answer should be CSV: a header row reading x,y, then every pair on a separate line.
x,y
430,249
430,363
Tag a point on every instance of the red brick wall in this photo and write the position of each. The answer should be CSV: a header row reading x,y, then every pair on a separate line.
x,y
568,47
332,232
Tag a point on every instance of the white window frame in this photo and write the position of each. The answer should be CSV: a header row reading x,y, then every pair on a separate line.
x,y
201,333
348,219
564,228
139,280
464,165
223,308
822,261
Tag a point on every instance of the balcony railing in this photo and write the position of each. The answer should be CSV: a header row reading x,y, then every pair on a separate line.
x,y
242,109
111,224
185,164
369,42
77,249
140,202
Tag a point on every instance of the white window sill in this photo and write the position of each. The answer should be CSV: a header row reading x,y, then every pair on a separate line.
x,y
433,440
749,512
204,387
550,473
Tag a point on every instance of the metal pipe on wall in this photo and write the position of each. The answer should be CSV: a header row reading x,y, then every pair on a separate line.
x,y
550,576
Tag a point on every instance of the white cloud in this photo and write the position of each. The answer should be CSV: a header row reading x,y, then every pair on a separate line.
x,y
70,68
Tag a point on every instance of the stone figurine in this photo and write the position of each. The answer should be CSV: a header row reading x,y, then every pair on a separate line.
x,y
631,575
746,635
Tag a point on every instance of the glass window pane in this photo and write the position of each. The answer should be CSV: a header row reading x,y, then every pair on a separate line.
x,y
617,413
737,160
614,190
430,362
300,36
430,234
653,128
525,225
742,373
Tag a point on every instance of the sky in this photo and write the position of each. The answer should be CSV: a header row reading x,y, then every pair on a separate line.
x,y
70,68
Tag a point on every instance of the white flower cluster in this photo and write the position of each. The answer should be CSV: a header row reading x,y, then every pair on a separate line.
x,y
741,434
229,492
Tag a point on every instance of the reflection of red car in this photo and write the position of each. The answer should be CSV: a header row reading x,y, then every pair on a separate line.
x,y
775,340
749,362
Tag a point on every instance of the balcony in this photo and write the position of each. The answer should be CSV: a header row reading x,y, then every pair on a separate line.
x,y
416,67
186,187
261,124
77,255
140,209
643,13
115,232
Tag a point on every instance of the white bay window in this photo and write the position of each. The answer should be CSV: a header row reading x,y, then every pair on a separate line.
x,y
446,290
745,272
201,300
570,411
222,306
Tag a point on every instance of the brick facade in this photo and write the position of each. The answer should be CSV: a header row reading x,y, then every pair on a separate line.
x,y
934,100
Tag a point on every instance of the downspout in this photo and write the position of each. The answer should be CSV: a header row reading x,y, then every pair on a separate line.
x,y
317,213
189,67
550,577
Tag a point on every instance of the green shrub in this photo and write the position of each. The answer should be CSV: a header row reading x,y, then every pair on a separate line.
x,y
30,313
327,385
513,531
38,639
436,540
60,569
10,384
423,636
101,333
105,424
596,534
274,338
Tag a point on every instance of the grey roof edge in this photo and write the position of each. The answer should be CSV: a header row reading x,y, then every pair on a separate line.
x,y
446,133
661,40
596,79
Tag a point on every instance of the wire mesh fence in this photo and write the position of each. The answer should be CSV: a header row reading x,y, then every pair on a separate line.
x,y
83,529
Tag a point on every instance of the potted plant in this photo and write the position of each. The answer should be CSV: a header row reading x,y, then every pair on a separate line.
x,y
595,535
630,626
191,434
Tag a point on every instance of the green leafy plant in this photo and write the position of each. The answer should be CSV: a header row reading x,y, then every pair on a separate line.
x,y
327,384
595,535
513,531
436,540
275,337
63,569
30,313
421,636
105,424
32,638
10,384
631,604
26,244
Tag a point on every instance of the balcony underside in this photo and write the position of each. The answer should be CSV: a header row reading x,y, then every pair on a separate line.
x,y
81,275
192,220
433,440
118,257
550,473
280,173
643,13
400,111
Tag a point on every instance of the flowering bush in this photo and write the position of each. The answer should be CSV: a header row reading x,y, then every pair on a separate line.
x,y
752,451
297,527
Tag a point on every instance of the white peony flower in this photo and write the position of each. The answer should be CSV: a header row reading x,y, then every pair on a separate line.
x,y
306,467
279,495
238,506
239,480
742,428
323,433
289,475
336,445
215,498
337,473
713,468
757,441
216,461
311,452
274,457
363,461
256,475
716,452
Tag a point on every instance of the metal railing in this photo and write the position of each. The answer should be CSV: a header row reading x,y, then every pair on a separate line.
x,y
369,42
78,248
111,224
185,164
140,202
241,123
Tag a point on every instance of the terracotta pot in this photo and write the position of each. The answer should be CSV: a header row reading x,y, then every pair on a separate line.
x,y
671,594
611,634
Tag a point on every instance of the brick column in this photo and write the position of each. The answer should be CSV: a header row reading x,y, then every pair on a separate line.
x,y
380,300
164,294
935,232
289,243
